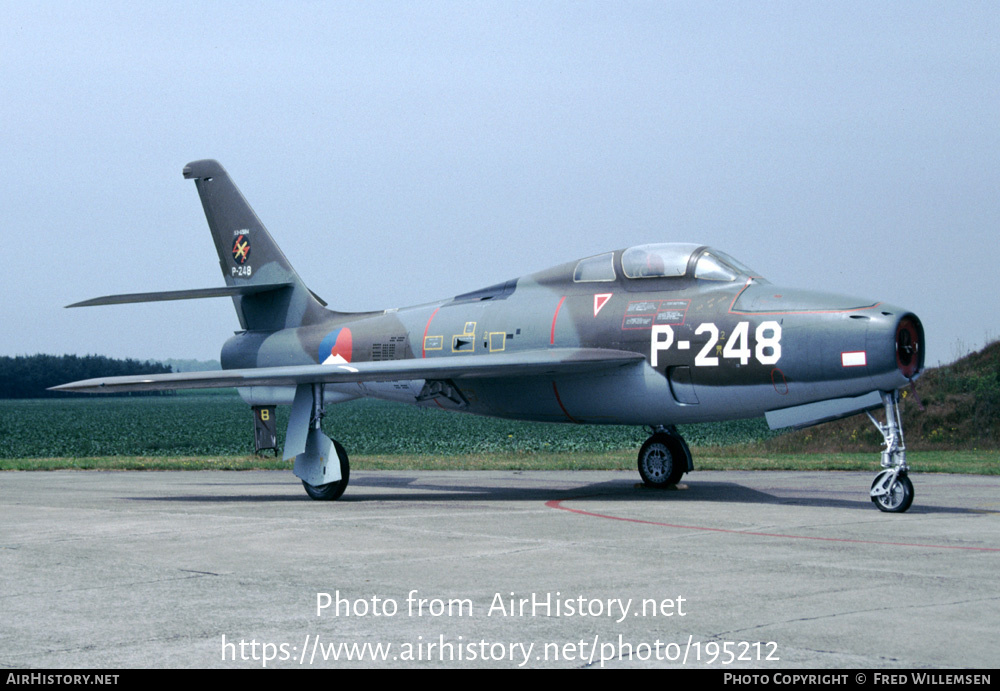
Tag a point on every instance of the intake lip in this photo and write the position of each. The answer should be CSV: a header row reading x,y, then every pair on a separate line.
x,y
910,346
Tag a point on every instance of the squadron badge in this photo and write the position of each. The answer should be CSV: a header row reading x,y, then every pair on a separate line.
x,y
241,249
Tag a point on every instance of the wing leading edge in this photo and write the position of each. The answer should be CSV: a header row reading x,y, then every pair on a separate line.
x,y
192,294
551,362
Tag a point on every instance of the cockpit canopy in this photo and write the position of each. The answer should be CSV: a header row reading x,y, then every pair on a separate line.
x,y
663,260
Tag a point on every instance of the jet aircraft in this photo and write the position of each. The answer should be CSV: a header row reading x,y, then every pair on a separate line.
x,y
655,335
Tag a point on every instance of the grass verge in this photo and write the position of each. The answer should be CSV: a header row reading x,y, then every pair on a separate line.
x,y
986,462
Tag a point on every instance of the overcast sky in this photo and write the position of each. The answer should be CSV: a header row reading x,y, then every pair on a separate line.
x,y
405,152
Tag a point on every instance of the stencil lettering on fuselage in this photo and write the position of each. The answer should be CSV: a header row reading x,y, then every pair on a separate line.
x,y
644,314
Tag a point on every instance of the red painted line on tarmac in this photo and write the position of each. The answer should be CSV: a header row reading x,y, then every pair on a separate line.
x,y
552,334
423,351
565,412
557,504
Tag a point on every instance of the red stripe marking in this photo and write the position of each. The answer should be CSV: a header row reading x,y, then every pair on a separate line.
x,y
557,504
552,334
834,311
559,401
423,351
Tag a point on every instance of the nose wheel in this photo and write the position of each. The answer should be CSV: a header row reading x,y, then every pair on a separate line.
x,y
892,490
890,493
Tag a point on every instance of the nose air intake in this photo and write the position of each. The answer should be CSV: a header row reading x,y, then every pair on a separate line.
x,y
910,346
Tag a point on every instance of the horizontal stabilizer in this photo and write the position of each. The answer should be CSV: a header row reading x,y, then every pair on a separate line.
x,y
811,414
228,291
550,362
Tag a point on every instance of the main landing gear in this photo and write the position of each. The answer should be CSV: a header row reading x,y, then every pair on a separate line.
x,y
320,462
892,490
332,490
664,458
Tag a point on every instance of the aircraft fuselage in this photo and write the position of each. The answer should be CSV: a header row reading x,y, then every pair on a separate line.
x,y
713,350
655,334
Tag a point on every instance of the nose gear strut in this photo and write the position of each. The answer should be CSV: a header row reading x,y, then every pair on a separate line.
x,y
892,490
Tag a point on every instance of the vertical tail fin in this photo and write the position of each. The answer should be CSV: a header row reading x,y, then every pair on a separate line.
x,y
249,256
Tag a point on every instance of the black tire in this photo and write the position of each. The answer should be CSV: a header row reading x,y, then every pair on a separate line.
x,y
899,499
332,490
662,461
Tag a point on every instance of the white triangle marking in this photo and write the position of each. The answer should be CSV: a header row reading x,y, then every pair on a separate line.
x,y
600,301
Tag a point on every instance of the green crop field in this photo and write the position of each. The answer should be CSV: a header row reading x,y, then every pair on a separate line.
x,y
196,431
221,425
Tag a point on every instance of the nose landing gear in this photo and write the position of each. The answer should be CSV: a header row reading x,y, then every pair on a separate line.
x,y
892,490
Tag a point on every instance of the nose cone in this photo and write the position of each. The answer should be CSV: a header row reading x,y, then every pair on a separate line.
x,y
855,344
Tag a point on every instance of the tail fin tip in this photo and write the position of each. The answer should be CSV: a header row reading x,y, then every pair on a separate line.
x,y
205,168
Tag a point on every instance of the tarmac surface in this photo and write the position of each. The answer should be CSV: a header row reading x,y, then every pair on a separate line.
x,y
762,570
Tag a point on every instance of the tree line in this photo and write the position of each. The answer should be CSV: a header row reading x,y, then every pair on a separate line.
x,y
29,376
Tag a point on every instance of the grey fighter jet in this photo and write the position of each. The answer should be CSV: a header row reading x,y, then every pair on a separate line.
x,y
654,335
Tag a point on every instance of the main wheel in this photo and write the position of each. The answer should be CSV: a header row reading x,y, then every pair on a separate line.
x,y
662,461
899,499
332,490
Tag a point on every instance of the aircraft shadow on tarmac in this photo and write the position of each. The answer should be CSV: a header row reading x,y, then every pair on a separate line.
x,y
414,489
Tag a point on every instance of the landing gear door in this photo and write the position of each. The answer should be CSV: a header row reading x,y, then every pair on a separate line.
x,y
265,435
